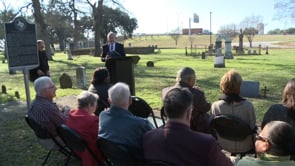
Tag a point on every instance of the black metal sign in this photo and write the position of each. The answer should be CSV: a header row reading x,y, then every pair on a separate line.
x,y
21,44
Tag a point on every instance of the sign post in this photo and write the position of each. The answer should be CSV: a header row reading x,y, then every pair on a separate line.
x,y
21,46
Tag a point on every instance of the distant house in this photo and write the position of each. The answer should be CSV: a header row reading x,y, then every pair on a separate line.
x,y
195,31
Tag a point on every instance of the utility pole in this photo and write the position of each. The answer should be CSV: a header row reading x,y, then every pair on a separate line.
x,y
210,30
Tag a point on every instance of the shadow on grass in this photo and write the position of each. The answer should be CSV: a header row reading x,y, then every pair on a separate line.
x,y
19,144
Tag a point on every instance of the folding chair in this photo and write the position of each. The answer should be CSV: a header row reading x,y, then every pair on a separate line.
x,y
117,154
44,136
75,142
141,108
163,116
232,128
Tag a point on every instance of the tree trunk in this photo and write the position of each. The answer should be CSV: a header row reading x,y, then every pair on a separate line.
x,y
97,12
250,42
76,26
43,27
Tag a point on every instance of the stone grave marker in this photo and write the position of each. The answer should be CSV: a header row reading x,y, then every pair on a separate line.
x,y
81,77
203,55
4,89
150,64
250,89
65,81
254,52
219,61
249,52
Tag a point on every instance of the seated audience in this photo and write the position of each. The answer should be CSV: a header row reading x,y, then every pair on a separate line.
x,y
274,145
176,143
200,120
42,109
85,123
118,124
285,111
231,103
100,84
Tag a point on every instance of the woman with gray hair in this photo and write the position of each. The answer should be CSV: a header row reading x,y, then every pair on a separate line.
x,y
85,123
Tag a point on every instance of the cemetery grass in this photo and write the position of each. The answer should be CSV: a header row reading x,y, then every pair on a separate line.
x,y
19,146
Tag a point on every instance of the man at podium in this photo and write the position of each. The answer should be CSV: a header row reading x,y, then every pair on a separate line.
x,y
112,48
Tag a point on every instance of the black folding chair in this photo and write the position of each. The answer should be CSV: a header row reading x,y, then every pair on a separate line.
x,y
75,142
163,116
117,154
141,108
232,128
44,135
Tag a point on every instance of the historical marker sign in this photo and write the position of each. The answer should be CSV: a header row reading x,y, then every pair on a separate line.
x,y
21,44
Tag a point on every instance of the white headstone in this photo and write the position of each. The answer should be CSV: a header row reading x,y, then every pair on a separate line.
x,y
219,61
81,77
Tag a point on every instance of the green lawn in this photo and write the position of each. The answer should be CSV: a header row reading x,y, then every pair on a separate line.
x,y
272,71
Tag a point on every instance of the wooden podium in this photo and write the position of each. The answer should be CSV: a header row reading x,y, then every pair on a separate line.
x,y
121,70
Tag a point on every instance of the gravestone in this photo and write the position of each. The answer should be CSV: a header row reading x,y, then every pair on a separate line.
x,y
203,55
250,89
65,81
249,52
219,62
241,36
16,94
218,44
4,89
70,56
81,77
254,52
150,64
227,49
218,52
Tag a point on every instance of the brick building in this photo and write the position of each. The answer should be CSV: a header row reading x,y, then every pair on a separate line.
x,y
193,31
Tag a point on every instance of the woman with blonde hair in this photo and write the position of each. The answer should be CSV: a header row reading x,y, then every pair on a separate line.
x,y
231,103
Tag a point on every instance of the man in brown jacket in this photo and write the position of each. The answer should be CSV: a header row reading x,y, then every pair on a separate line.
x,y
200,120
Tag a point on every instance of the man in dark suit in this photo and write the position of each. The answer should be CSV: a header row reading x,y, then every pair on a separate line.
x,y
176,143
112,48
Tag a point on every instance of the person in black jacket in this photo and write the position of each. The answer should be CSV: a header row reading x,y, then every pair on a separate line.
x,y
43,68
112,48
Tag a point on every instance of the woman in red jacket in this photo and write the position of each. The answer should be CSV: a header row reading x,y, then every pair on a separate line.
x,y
85,123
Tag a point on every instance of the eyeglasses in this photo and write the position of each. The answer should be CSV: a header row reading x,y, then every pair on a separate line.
x,y
261,138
